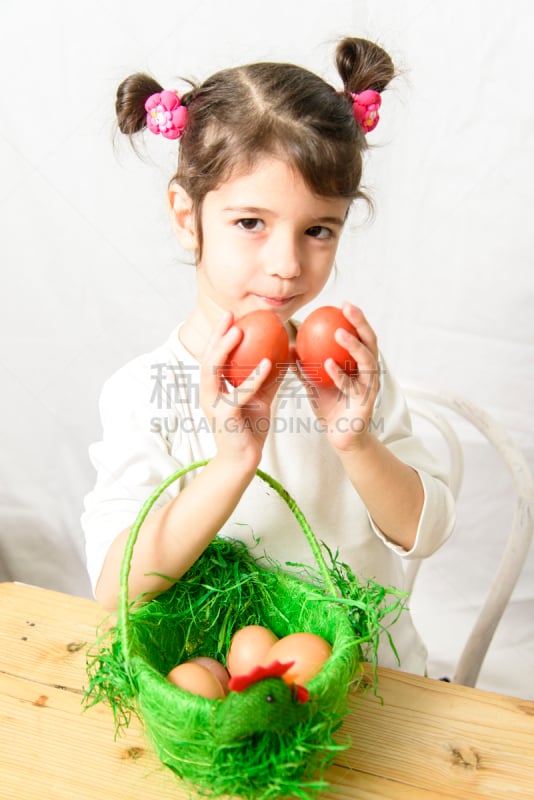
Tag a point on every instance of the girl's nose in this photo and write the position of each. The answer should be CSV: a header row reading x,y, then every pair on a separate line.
x,y
282,257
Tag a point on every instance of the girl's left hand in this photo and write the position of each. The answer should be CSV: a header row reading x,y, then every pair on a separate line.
x,y
347,407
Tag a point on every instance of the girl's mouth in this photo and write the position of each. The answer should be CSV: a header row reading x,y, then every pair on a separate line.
x,y
277,302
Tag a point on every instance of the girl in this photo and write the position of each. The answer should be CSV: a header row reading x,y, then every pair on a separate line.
x,y
270,162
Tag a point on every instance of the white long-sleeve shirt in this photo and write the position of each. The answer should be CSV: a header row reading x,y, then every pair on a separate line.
x,y
153,425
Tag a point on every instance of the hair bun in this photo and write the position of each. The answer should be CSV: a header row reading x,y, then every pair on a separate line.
x,y
363,65
130,103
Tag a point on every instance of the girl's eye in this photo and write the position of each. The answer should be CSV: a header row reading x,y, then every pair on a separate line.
x,y
251,224
320,232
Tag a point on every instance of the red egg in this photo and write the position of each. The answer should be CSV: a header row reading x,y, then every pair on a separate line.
x,y
264,336
315,343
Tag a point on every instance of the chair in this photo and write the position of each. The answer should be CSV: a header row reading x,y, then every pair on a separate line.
x,y
427,404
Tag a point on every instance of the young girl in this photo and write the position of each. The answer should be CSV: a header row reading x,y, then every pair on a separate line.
x,y
270,161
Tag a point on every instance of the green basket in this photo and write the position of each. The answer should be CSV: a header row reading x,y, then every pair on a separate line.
x,y
242,745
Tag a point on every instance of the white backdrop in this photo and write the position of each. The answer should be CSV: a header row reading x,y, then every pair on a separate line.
x,y
91,274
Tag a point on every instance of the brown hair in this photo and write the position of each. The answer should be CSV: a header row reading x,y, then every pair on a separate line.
x,y
241,114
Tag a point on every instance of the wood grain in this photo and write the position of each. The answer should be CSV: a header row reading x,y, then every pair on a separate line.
x,y
444,737
427,740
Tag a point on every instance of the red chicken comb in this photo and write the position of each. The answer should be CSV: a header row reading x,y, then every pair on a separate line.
x,y
275,669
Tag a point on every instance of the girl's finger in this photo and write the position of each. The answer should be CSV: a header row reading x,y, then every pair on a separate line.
x,y
222,325
344,383
367,372
219,335
357,349
252,384
365,332
225,336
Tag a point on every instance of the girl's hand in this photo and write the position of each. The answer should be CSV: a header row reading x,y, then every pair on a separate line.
x,y
347,407
239,417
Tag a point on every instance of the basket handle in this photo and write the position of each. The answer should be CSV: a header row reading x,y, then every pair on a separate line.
x,y
143,513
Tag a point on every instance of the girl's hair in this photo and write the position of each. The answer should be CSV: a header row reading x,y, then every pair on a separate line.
x,y
242,114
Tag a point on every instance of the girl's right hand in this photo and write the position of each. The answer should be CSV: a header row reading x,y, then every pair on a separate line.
x,y
239,417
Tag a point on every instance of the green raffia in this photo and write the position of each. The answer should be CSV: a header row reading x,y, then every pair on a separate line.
x,y
226,589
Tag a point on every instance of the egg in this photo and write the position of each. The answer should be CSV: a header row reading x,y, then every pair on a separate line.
x,y
248,648
215,667
196,679
309,652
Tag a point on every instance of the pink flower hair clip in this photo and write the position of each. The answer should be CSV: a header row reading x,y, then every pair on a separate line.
x,y
365,109
166,114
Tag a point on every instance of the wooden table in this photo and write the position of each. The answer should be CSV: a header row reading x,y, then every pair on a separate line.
x,y
429,740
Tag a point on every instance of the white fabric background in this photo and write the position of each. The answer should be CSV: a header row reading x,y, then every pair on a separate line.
x,y
91,275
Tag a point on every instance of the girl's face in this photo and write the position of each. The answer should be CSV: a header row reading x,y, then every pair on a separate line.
x,y
268,242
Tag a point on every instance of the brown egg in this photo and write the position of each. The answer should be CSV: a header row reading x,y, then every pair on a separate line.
x,y
196,679
248,648
307,650
215,667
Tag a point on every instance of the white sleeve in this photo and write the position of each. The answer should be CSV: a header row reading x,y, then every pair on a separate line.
x,y
131,460
392,425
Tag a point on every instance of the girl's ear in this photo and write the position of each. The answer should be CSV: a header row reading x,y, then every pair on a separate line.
x,y
183,218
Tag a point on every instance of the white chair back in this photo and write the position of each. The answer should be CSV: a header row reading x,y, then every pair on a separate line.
x,y
427,404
